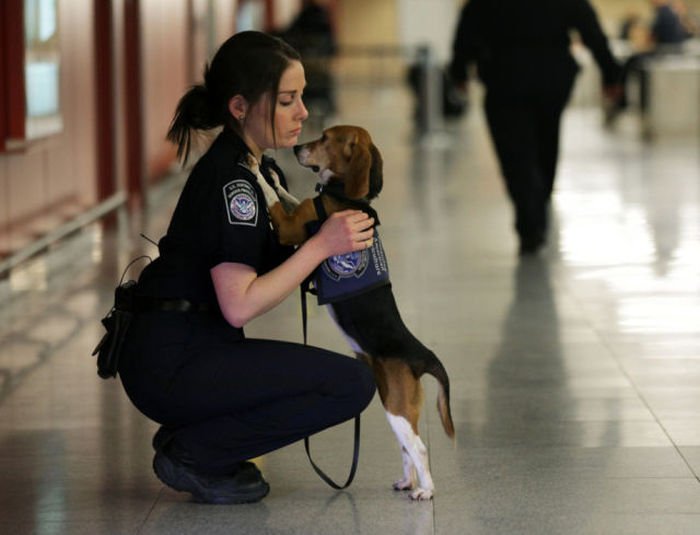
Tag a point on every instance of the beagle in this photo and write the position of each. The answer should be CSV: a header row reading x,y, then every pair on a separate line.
x,y
350,171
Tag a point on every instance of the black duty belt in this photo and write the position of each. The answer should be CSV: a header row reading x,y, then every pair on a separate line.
x,y
140,303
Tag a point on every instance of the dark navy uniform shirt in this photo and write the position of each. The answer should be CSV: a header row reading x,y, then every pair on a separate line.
x,y
220,217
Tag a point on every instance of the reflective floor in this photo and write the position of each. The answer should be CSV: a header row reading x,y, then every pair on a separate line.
x,y
575,375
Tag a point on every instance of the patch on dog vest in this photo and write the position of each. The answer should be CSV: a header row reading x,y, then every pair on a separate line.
x,y
342,276
241,203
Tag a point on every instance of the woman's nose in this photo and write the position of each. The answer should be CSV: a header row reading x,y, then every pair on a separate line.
x,y
303,112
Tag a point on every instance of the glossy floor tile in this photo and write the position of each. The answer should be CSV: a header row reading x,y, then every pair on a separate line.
x,y
575,375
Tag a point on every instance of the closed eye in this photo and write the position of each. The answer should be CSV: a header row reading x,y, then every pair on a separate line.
x,y
287,98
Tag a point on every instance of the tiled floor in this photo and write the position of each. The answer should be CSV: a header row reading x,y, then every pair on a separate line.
x,y
575,375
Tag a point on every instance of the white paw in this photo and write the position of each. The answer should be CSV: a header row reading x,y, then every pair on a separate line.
x,y
422,494
404,484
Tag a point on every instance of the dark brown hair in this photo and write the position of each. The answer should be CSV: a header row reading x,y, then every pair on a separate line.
x,y
249,64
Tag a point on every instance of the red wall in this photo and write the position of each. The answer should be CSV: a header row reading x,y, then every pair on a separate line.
x,y
164,47
47,181
46,173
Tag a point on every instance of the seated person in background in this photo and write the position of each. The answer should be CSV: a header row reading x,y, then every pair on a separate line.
x,y
667,27
666,34
634,31
689,20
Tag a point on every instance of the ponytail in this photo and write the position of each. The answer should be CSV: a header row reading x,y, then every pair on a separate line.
x,y
193,113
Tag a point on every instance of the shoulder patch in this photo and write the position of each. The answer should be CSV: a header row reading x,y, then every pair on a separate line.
x,y
241,203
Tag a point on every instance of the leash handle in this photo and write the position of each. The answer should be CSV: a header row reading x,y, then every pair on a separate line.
x,y
355,459
356,445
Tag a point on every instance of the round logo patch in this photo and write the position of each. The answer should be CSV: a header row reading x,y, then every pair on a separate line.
x,y
346,265
243,207
241,203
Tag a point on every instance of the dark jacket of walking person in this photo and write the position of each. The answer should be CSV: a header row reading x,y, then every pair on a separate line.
x,y
523,55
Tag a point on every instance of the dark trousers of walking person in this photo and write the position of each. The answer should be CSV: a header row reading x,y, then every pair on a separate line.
x,y
525,133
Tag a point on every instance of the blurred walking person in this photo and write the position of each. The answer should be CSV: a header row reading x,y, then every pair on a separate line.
x,y
522,51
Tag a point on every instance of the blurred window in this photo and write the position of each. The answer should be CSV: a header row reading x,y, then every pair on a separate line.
x,y
42,65
251,15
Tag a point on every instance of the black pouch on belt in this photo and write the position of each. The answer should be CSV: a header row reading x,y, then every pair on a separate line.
x,y
117,323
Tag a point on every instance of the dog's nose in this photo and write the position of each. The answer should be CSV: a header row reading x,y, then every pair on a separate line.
x,y
297,148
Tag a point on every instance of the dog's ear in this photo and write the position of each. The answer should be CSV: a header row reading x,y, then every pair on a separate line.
x,y
376,173
357,179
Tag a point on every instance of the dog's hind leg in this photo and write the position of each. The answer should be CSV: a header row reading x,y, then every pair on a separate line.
x,y
408,482
402,396
415,456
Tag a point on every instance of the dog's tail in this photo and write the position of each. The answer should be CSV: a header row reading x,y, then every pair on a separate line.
x,y
437,370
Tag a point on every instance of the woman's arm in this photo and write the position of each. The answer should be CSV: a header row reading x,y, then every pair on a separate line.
x,y
243,295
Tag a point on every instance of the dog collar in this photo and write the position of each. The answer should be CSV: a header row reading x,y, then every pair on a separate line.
x,y
336,191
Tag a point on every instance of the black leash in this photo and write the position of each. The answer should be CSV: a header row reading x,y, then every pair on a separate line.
x,y
356,447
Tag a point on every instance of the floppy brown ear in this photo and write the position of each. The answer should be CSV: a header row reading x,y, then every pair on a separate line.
x,y
376,173
357,179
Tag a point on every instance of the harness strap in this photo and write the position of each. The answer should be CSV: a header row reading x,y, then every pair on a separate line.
x,y
320,209
305,287
336,191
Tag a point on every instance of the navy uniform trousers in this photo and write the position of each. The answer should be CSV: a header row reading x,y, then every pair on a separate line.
x,y
228,399
525,134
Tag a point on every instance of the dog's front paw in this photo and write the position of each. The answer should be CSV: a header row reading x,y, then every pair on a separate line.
x,y
404,484
421,494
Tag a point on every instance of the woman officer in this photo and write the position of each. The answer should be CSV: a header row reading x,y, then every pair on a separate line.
x,y
222,398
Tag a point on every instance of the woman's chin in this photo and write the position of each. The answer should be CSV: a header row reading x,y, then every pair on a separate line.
x,y
288,142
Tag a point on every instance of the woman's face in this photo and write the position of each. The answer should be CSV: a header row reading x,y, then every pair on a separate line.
x,y
290,113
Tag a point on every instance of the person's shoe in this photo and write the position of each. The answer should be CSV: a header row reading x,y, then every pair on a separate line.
x,y
245,485
614,103
611,112
530,246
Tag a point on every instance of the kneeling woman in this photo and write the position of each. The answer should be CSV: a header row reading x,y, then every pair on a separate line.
x,y
221,398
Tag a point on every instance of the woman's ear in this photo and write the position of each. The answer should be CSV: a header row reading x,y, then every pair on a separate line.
x,y
238,107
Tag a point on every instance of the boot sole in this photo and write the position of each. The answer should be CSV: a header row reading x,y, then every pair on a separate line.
x,y
178,478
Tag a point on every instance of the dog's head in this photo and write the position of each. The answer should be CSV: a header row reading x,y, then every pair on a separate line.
x,y
345,155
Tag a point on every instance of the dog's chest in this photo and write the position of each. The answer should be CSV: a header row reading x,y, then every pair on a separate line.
x,y
354,345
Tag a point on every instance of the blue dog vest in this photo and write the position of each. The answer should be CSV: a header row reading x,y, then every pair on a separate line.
x,y
347,275
342,276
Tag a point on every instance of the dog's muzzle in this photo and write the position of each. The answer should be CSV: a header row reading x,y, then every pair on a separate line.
x,y
302,153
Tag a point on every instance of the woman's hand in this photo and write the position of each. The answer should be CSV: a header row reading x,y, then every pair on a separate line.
x,y
243,295
346,231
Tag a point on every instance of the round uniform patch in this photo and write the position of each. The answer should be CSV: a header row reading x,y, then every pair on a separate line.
x,y
241,203
346,265
243,207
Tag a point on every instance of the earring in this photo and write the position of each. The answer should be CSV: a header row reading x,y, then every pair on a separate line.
x,y
242,116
